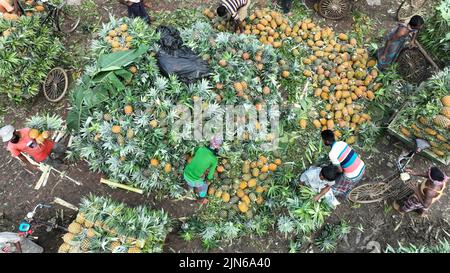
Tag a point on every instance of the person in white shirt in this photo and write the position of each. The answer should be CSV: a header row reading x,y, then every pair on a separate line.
x,y
347,160
322,180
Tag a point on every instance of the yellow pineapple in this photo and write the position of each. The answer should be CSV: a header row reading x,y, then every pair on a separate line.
x,y
68,237
74,228
80,218
134,250
442,121
446,111
64,248
90,233
115,245
85,244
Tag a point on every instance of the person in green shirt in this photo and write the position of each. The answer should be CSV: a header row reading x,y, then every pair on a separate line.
x,y
202,165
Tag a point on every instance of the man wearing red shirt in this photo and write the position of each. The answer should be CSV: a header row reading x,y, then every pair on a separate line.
x,y
19,142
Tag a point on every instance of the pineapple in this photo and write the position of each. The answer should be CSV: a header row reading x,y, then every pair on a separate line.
x,y
134,250
423,120
130,133
80,218
74,249
446,101
90,233
85,244
446,111
68,237
64,248
115,245
442,121
120,140
74,228
98,224
107,117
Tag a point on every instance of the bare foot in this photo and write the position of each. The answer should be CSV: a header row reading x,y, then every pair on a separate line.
x,y
202,201
396,206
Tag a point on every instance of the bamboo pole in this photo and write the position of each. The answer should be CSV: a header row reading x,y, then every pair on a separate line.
x,y
122,186
425,54
65,204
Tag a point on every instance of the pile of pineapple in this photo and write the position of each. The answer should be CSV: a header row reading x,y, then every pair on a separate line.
x,y
428,115
29,7
122,34
105,226
42,126
270,26
341,72
242,189
244,70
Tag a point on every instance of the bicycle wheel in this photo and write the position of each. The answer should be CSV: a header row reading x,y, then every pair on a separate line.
x,y
66,22
368,193
334,9
408,9
412,65
55,85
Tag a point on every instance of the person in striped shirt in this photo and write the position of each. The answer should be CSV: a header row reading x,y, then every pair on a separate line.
x,y
348,162
237,9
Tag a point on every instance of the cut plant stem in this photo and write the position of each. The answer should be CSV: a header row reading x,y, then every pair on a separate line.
x,y
121,186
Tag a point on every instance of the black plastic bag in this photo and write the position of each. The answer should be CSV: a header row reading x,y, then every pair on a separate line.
x,y
174,58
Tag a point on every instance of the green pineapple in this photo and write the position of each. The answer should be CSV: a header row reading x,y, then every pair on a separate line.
x,y
252,196
223,214
120,140
130,133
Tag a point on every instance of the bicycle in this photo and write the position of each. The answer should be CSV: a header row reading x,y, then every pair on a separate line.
x,y
333,9
29,223
414,63
409,8
387,188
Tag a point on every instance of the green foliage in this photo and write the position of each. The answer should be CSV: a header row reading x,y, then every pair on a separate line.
x,y
435,37
31,48
45,123
140,223
442,247
182,18
331,234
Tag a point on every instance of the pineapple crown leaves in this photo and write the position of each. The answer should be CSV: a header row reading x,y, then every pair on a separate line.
x,y
210,232
50,123
286,225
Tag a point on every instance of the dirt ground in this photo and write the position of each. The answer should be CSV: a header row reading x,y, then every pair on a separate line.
x,y
372,224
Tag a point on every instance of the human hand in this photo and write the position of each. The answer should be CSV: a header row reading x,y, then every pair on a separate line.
x,y
316,198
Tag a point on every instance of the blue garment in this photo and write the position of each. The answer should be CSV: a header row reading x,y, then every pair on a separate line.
x,y
395,47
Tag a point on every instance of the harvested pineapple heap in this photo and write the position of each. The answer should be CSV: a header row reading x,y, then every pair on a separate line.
x,y
105,226
428,115
341,72
121,34
42,126
243,69
242,189
29,7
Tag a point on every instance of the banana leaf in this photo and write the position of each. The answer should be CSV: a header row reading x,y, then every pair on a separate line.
x,y
117,60
76,113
